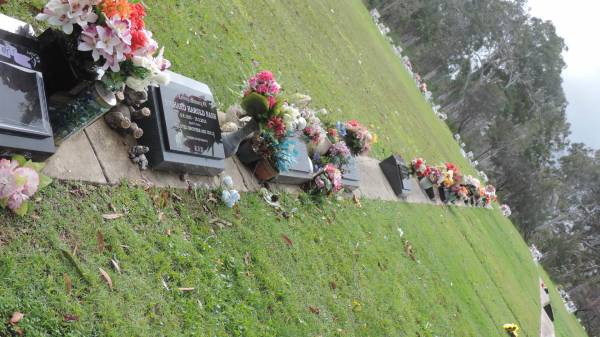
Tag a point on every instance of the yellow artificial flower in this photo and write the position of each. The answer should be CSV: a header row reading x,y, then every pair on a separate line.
x,y
375,138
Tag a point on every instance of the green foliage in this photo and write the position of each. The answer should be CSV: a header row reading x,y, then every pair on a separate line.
x,y
257,106
472,272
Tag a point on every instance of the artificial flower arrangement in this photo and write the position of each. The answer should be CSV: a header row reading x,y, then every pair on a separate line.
x,y
20,179
358,138
276,149
511,329
328,181
260,97
114,35
229,195
276,121
505,209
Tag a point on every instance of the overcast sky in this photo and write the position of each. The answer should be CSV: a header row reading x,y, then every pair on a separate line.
x,y
577,22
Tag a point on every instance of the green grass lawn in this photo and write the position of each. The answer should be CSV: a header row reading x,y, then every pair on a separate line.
x,y
473,271
330,50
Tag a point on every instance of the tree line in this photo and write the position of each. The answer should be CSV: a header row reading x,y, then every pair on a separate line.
x,y
496,72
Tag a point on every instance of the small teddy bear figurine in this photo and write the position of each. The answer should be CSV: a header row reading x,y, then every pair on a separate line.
x,y
137,154
122,116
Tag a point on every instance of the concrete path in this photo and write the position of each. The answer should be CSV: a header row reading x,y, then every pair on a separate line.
x,y
99,155
546,325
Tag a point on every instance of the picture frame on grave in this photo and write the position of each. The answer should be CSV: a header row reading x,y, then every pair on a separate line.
x,y
24,120
183,132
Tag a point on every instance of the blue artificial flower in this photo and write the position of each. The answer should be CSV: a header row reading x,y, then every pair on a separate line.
x,y
230,198
227,182
341,128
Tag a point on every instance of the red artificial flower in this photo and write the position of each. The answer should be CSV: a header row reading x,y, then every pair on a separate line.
x,y
138,40
138,12
276,124
353,123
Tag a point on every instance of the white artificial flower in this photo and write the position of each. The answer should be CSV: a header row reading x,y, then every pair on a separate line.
x,y
228,182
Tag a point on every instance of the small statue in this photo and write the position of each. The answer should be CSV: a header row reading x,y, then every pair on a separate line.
x,y
122,116
137,154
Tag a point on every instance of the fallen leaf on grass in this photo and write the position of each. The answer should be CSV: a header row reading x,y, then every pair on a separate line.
x,y
247,258
314,310
100,241
356,199
112,216
115,265
68,283
106,278
217,223
161,216
186,289
16,318
70,318
287,240
408,249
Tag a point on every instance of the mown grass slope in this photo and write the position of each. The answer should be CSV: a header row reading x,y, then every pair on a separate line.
x,y
471,271
330,50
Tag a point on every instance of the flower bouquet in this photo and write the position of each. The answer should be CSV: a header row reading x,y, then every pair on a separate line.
x,y
511,329
505,209
260,97
358,138
327,182
420,168
108,40
20,179
276,149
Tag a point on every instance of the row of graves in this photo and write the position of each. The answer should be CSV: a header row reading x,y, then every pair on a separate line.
x,y
100,61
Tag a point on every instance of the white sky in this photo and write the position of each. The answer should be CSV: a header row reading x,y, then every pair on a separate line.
x,y
577,22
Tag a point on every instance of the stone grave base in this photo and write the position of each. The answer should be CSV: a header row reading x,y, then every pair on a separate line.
x,y
99,155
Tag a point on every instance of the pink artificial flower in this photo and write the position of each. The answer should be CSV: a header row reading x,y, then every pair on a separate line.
x,y
319,182
16,200
272,101
32,180
8,182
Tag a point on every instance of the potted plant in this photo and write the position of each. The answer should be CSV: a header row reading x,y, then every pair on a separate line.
x,y
112,42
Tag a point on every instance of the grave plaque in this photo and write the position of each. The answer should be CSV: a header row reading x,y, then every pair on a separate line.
x,y
351,176
301,172
395,170
183,133
24,124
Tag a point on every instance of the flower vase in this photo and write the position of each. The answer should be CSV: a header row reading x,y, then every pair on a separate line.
x,y
321,148
442,193
81,110
246,153
233,140
265,171
427,186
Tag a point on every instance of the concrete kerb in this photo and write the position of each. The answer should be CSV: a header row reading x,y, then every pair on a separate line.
x,y
99,155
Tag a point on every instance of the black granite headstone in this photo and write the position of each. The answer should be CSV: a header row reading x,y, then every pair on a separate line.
x,y
183,133
351,175
24,123
301,171
395,170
